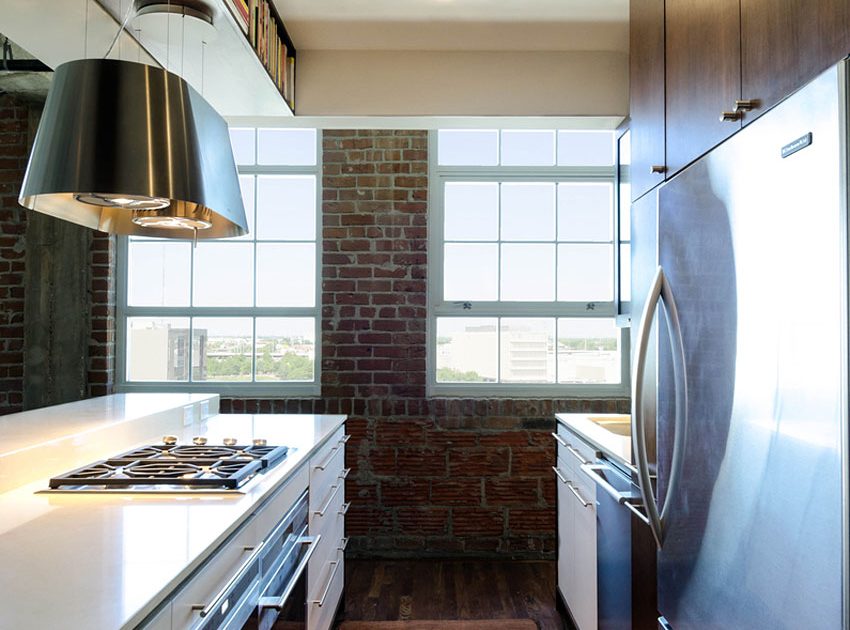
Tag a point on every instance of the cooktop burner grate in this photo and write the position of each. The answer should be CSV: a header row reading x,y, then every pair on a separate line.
x,y
172,467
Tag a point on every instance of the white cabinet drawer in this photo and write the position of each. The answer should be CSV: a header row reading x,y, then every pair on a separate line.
x,y
281,502
325,594
570,446
331,512
326,466
323,485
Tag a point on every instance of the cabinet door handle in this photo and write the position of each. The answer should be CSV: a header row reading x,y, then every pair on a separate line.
x,y
344,474
730,116
560,440
657,169
327,461
344,509
278,602
240,572
577,455
578,496
321,601
746,105
324,508
343,544
344,439
559,475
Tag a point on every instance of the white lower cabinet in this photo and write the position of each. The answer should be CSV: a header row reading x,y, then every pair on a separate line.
x,y
576,530
326,569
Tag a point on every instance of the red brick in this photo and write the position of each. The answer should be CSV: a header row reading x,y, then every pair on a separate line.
x,y
483,462
464,491
477,521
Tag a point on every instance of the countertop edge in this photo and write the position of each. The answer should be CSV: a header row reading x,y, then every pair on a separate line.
x,y
573,422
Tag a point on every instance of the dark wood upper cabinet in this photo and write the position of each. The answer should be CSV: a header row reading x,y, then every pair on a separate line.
x,y
786,43
646,95
703,60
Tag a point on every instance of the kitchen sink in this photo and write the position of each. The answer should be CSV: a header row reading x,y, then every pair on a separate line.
x,y
617,424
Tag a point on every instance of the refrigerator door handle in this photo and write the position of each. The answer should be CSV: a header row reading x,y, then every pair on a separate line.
x,y
660,292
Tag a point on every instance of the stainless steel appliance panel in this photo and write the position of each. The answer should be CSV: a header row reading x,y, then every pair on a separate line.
x,y
752,244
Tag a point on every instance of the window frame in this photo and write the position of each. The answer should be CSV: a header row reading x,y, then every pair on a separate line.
x,y
438,176
265,389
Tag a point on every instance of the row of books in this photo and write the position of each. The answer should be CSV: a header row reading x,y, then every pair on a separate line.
x,y
258,21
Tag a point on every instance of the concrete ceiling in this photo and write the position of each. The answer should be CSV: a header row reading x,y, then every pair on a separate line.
x,y
488,25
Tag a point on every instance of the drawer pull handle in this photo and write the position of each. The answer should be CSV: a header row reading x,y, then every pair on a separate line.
x,y
321,601
560,440
559,475
344,474
344,439
343,544
327,462
278,602
344,509
577,455
321,512
578,496
240,573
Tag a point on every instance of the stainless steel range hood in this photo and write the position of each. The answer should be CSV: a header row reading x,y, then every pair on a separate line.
x,y
128,148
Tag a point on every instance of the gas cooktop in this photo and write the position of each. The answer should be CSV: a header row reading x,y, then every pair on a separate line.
x,y
172,467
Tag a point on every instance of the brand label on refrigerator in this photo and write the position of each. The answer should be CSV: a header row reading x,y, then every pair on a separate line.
x,y
800,143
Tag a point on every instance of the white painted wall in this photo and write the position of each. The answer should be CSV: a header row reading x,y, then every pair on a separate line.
x,y
461,83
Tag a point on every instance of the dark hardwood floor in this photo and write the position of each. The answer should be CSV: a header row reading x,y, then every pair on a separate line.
x,y
387,590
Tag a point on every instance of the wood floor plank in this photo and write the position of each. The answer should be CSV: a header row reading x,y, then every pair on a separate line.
x,y
416,590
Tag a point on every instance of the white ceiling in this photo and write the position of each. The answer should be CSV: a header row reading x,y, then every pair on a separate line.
x,y
457,24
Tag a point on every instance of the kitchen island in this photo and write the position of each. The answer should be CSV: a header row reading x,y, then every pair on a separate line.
x,y
112,560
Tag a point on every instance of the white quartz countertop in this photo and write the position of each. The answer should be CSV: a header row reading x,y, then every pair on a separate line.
x,y
105,561
614,446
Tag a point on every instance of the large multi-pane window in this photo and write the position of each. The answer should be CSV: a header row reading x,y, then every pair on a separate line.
x,y
524,249
238,313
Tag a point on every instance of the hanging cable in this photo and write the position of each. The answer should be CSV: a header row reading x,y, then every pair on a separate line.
x,y
127,17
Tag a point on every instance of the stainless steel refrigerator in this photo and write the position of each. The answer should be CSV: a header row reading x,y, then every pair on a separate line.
x,y
744,388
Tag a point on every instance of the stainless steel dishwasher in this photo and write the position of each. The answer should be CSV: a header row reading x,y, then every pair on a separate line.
x,y
625,569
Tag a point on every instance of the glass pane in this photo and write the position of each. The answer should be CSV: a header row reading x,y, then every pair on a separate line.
x,y
286,348
471,272
467,350
528,148
286,274
471,211
527,350
625,214
222,348
585,273
588,351
528,212
585,148
158,273
625,273
286,207
290,147
246,187
528,273
157,348
242,141
224,274
468,147
584,212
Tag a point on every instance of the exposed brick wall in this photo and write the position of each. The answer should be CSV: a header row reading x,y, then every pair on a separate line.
x,y
437,477
101,374
13,162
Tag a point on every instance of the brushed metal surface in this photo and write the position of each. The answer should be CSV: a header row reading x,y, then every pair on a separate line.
x,y
121,128
753,249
